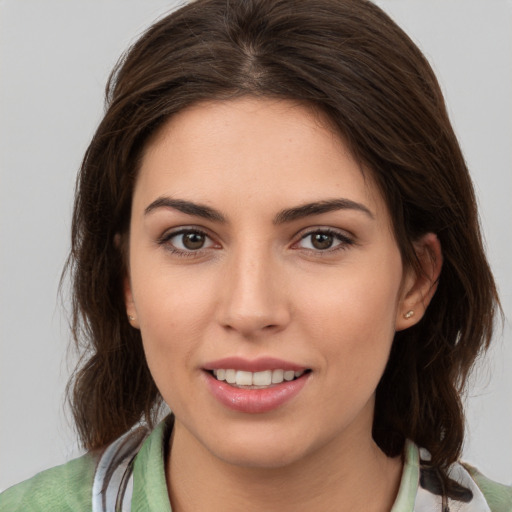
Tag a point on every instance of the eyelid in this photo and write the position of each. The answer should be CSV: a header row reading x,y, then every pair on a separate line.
x,y
165,238
345,239
172,232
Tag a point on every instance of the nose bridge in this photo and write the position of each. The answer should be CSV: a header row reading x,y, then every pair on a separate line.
x,y
253,298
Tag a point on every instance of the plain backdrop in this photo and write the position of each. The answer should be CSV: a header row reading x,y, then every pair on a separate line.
x,y
55,57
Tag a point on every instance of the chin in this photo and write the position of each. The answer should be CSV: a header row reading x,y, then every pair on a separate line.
x,y
265,447
258,457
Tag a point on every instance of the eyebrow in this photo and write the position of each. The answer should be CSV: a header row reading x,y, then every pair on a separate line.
x,y
319,207
284,216
188,207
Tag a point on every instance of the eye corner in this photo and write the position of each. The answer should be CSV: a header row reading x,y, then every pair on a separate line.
x,y
187,241
328,241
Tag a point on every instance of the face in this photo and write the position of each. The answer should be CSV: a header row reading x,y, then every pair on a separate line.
x,y
260,252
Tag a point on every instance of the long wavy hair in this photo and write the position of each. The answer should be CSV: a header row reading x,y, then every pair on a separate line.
x,y
350,61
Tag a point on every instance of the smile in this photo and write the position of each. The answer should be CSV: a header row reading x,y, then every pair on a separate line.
x,y
255,380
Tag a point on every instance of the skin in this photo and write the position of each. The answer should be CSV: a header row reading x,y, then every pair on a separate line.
x,y
260,288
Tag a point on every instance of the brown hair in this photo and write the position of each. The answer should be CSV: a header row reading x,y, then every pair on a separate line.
x,y
350,61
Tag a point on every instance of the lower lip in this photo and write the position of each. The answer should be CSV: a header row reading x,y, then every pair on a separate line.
x,y
255,400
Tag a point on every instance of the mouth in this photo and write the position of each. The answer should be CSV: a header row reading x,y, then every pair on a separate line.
x,y
256,380
255,386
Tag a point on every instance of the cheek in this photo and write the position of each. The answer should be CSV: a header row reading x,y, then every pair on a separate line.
x,y
172,327
352,316
173,312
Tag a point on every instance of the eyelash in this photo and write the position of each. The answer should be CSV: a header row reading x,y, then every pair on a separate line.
x,y
167,237
344,241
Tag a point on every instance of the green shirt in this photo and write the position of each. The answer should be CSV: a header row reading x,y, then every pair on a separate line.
x,y
69,487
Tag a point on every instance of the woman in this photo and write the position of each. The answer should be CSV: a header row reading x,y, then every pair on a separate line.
x,y
275,234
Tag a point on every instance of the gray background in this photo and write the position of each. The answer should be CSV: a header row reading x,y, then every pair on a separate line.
x,y
55,57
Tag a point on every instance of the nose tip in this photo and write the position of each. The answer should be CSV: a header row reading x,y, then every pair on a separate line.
x,y
254,321
253,302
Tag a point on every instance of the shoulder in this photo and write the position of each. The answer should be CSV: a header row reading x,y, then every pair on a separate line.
x,y
423,489
62,488
498,496
475,492
104,476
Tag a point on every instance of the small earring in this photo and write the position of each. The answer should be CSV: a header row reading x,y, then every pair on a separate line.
x,y
409,314
131,318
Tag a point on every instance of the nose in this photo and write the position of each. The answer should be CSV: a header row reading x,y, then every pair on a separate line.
x,y
254,299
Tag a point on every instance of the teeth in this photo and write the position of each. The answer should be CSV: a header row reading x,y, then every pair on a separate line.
x,y
277,376
289,375
243,378
263,378
230,376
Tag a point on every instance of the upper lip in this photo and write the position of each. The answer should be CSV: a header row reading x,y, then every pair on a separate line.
x,y
253,365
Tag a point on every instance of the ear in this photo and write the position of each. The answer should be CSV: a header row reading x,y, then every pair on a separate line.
x,y
420,285
131,311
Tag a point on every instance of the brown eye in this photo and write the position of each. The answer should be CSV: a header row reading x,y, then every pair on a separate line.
x,y
322,241
187,241
193,241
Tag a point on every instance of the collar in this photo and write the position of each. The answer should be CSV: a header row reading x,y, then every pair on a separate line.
x,y
150,487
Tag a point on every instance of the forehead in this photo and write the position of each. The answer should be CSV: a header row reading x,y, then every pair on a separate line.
x,y
254,148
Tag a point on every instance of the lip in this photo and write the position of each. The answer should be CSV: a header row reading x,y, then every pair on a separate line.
x,y
255,401
255,365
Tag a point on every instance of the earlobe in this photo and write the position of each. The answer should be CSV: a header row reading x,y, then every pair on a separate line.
x,y
131,311
420,286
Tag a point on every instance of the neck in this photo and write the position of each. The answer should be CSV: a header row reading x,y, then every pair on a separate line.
x,y
348,475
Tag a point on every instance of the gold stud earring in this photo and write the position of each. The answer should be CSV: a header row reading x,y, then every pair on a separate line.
x,y
409,314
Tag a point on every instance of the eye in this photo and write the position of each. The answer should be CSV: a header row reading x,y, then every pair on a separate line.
x,y
186,241
324,240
